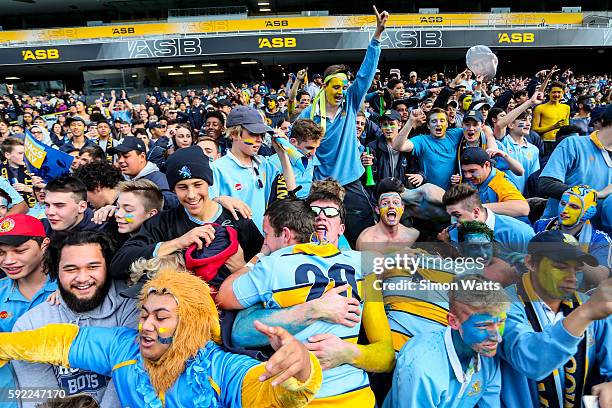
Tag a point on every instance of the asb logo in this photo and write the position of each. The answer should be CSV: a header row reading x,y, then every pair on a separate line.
x,y
432,19
277,42
124,30
238,187
277,23
36,55
513,38
4,314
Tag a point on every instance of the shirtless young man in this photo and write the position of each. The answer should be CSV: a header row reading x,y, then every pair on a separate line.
x,y
388,230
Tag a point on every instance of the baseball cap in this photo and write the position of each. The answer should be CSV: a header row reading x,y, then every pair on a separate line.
x,y
18,228
479,105
559,247
453,103
473,114
128,144
316,76
75,119
249,118
474,155
390,114
224,102
155,125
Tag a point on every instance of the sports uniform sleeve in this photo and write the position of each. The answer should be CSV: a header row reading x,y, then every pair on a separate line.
x,y
358,89
292,393
506,191
50,344
379,355
412,386
522,346
561,161
255,286
99,349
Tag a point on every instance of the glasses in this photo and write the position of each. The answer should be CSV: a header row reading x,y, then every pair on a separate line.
x,y
259,182
330,212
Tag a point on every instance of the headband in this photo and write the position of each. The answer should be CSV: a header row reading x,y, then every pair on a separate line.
x,y
340,75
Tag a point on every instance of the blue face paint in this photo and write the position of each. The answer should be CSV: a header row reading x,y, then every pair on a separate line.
x,y
480,328
477,245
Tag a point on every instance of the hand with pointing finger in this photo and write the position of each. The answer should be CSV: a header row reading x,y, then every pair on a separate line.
x,y
381,22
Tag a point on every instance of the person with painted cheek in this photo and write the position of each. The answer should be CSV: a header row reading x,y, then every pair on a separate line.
x,y
550,116
476,241
557,340
273,113
335,109
456,366
137,202
389,229
576,208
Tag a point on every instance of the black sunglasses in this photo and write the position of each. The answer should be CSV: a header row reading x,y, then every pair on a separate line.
x,y
330,212
259,182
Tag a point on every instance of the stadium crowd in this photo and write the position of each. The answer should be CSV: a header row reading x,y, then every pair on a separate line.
x,y
217,247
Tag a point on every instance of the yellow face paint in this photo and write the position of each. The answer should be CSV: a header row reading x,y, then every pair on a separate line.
x,y
438,124
390,202
139,327
550,277
467,101
163,330
570,210
249,141
334,90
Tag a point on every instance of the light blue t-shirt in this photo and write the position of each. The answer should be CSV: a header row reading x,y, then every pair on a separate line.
x,y
428,374
16,198
302,178
577,160
252,185
299,273
438,156
526,154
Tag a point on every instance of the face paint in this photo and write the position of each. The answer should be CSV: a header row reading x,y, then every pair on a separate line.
x,y
482,328
570,210
438,124
271,105
139,327
129,218
550,277
249,142
335,90
465,104
391,209
477,245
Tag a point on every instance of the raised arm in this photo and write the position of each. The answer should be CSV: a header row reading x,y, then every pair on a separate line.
x,y
401,142
535,100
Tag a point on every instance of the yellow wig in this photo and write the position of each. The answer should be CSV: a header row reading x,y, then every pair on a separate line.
x,y
198,323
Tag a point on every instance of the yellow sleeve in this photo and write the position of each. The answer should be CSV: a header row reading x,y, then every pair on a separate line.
x,y
379,355
50,344
290,394
505,190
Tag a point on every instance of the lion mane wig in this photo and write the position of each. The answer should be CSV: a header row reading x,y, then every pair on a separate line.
x,y
198,323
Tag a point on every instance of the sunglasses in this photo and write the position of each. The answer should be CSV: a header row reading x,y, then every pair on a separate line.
x,y
259,182
330,212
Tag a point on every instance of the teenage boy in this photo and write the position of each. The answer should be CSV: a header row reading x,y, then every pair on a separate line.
x,y
190,176
576,208
557,340
133,162
66,206
388,232
494,189
388,162
137,202
455,367
242,173
306,137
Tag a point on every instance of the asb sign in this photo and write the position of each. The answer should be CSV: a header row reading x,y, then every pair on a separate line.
x,y
40,55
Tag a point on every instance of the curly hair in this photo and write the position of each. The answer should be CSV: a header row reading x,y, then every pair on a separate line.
x,y
99,174
328,190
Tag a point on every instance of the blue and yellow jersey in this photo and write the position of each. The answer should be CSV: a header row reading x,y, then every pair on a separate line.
x,y
414,305
497,189
304,272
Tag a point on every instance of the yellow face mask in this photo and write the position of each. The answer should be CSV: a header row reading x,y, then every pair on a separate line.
x,y
550,277
467,101
578,204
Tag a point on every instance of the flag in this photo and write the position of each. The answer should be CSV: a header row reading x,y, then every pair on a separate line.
x,y
44,161
295,156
